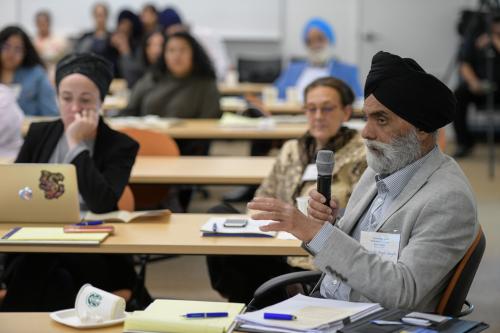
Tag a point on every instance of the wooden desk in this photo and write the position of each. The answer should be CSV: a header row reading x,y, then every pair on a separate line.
x,y
210,129
242,88
201,170
40,322
177,234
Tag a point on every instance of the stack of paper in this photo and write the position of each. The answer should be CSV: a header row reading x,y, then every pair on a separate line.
x,y
168,316
215,227
312,315
51,235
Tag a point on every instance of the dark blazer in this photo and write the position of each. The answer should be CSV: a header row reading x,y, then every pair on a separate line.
x,y
102,177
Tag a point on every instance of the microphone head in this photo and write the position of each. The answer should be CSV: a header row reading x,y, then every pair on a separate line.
x,y
325,162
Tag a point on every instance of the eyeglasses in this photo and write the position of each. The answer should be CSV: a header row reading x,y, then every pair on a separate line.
x,y
323,109
14,49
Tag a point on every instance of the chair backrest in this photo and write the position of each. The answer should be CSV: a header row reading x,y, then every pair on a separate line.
x,y
127,201
153,143
150,196
453,298
259,70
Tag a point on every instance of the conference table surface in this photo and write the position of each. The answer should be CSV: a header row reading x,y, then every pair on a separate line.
x,y
198,170
40,322
207,129
174,234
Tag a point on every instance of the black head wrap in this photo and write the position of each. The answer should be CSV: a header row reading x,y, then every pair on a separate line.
x,y
134,19
95,67
402,86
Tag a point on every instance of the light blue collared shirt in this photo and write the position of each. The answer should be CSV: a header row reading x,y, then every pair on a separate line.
x,y
388,189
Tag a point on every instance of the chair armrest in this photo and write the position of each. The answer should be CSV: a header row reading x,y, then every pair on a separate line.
x,y
285,280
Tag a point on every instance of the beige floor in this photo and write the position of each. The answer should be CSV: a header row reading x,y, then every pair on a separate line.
x,y
186,277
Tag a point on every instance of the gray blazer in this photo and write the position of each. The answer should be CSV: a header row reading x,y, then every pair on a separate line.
x,y
435,215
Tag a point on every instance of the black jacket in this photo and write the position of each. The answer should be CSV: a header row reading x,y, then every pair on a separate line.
x,y
102,177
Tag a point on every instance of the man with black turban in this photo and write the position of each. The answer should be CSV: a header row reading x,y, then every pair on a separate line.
x,y
103,159
412,215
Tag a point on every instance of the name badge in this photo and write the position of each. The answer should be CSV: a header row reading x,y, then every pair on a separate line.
x,y
310,174
384,244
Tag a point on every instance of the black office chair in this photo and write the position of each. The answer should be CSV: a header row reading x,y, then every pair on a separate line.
x,y
259,70
451,303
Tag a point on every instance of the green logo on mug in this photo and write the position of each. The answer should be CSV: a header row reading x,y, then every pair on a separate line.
x,y
93,300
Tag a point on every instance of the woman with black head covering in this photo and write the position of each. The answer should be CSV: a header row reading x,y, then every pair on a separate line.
x,y
103,159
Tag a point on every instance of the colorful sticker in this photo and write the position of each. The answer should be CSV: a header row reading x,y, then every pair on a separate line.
x,y
51,184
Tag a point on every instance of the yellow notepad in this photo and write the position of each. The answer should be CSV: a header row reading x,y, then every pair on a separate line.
x,y
167,316
50,235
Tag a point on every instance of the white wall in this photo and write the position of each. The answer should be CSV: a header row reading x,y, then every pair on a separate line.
x,y
424,29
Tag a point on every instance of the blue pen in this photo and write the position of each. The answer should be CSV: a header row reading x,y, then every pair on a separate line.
x,y
206,315
279,316
89,223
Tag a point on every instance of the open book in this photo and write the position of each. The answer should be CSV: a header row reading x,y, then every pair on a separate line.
x,y
168,316
51,235
124,216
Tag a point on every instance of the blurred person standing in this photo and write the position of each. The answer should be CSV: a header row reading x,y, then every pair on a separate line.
x,y
11,123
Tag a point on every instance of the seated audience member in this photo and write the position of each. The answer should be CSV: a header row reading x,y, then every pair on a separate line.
x,y
149,19
182,85
319,38
11,123
97,40
126,40
49,46
21,68
211,41
474,89
327,105
103,159
410,189
152,48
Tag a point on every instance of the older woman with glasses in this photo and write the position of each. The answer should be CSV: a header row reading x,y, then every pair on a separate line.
x,y
22,69
327,106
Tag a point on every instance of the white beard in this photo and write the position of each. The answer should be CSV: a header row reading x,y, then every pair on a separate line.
x,y
387,158
319,57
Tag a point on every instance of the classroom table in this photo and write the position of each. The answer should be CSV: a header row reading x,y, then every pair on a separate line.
x,y
40,322
217,170
242,88
175,234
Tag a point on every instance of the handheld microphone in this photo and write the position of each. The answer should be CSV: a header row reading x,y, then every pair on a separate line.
x,y
325,163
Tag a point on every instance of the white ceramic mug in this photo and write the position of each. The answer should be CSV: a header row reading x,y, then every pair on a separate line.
x,y
94,305
302,204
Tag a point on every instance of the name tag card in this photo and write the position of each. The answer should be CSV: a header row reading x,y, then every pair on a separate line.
x,y
384,244
310,174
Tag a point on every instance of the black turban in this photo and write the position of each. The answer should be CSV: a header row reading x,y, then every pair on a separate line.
x,y
95,67
402,86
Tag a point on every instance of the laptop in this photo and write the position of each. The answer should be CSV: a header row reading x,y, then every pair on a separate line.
x,y
39,193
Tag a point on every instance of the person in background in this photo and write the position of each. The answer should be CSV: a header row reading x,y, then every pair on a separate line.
x,y
473,89
11,123
182,85
126,40
152,48
22,69
149,19
103,159
328,104
319,38
98,40
49,46
212,42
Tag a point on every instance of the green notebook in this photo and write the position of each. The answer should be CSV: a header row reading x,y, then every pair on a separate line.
x,y
167,316
51,235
